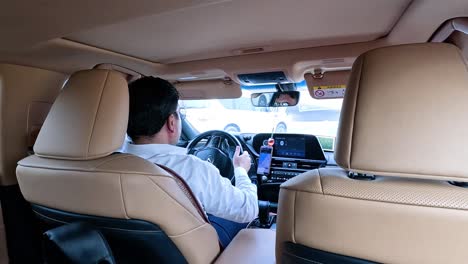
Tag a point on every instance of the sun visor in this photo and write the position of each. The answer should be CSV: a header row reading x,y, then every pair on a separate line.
x,y
327,85
208,89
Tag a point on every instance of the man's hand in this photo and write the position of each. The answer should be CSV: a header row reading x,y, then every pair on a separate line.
x,y
242,161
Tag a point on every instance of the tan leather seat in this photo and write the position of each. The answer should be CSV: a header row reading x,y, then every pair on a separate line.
x,y
404,120
74,171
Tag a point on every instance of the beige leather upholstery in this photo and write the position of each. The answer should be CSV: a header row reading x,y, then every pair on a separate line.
x,y
74,171
20,86
405,113
404,119
37,114
89,118
120,186
250,246
389,220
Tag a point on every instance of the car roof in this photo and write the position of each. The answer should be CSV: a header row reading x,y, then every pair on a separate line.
x,y
208,39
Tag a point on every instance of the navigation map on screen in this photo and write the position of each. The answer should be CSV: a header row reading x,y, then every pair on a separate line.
x,y
264,161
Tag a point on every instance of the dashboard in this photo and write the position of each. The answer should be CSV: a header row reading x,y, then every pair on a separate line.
x,y
292,146
292,155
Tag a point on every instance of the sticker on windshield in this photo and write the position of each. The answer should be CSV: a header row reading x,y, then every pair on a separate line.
x,y
329,91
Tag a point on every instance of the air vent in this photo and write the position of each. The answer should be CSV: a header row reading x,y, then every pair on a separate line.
x,y
336,60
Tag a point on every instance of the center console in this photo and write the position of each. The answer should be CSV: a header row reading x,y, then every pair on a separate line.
x,y
266,216
292,155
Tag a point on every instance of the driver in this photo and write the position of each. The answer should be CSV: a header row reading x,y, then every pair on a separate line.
x,y
285,99
154,126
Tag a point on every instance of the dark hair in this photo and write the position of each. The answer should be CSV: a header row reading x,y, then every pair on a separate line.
x,y
152,101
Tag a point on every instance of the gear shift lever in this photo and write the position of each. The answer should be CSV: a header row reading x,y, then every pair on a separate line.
x,y
264,213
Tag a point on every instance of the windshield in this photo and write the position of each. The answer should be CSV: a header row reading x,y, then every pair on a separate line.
x,y
310,116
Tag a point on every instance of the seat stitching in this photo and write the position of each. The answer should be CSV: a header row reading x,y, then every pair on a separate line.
x,y
320,180
122,195
109,228
74,158
116,157
93,170
189,231
96,113
187,191
295,190
390,202
174,199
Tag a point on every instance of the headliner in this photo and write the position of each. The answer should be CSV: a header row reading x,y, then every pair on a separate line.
x,y
204,38
224,28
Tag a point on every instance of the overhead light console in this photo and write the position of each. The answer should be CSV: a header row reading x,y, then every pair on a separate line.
x,y
263,78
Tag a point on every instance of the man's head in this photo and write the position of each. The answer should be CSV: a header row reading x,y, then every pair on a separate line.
x,y
154,116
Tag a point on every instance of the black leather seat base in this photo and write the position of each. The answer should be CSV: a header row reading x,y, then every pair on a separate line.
x,y
131,241
76,243
299,254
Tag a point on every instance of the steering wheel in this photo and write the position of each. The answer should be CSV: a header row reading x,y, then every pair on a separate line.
x,y
218,150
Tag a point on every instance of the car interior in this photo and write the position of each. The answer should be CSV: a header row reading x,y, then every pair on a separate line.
x,y
356,129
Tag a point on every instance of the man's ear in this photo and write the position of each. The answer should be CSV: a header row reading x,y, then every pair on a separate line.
x,y
171,124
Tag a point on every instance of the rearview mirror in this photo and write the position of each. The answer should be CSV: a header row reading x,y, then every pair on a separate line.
x,y
276,99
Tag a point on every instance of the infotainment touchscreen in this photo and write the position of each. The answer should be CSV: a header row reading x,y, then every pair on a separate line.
x,y
291,147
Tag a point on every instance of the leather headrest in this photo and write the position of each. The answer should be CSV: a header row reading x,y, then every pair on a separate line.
x,y
405,113
89,118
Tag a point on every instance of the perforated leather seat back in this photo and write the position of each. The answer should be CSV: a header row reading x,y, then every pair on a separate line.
x,y
404,120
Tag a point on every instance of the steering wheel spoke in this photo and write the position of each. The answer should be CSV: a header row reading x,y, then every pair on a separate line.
x,y
214,142
218,150
192,151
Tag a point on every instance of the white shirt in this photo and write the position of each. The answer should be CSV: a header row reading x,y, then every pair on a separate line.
x,y
216,193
